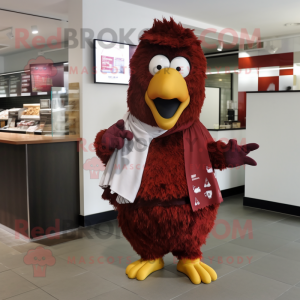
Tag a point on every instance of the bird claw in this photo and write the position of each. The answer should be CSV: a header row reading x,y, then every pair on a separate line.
x,y
197,271
141,269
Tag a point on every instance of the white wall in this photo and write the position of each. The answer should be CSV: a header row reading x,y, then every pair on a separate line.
x,y
18,61
211,108
103,104
235,177
272,123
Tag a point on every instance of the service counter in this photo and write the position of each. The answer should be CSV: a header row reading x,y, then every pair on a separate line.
x,y
39,184
272,119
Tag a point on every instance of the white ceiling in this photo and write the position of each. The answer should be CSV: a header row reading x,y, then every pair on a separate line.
x,y
49,8
46,27
267,15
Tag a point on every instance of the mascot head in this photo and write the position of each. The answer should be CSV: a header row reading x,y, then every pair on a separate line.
x,y
167,81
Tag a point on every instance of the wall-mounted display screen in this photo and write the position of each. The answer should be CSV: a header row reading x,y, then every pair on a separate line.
x,y
111,62
45,76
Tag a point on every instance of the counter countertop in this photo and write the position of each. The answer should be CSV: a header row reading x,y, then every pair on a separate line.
x,y
23,139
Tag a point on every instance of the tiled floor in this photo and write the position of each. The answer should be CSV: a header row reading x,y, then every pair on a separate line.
x,y
262,263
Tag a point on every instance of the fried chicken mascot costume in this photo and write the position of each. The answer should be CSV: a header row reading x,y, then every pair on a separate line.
x,y
160,159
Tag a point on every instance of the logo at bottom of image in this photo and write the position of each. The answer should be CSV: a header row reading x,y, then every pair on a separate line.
x,y
40,258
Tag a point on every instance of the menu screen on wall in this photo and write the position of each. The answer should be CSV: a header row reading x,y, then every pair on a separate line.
x,y
111,62
45,76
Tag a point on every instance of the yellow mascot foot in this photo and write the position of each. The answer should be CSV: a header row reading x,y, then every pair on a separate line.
x,y
197,271
141,269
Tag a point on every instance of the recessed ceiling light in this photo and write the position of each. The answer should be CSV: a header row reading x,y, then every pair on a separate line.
x,y
10,34
220,79
291,24
34,29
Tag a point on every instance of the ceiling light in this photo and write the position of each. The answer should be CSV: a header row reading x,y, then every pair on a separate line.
x,y
291,24
10,34
34,29
220,48
220,79
273,50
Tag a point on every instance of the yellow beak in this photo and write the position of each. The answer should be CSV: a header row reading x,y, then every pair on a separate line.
x,y
167,96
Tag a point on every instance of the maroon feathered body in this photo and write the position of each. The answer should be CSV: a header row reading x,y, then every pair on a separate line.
x,y
156,230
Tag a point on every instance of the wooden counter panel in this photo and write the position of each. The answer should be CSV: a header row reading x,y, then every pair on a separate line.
x,y
25,139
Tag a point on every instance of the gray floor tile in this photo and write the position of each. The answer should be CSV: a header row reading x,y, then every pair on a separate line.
x,y
102,254
283,230
26,247
214,292
3,268
261,241
169,259
10,239
111,227
93,257
118,294
290,220
37,294
234,210
227,230
66,248
160,285
212,242
277,268
121,245
289,251
264,218
6,250
255,286
12,261
233,255
11,284
292,294
61,270
81,287
115,272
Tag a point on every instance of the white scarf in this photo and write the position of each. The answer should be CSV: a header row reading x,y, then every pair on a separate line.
x,y
124,170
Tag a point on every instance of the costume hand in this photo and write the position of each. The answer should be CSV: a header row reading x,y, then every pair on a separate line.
x,y
114,136
236,155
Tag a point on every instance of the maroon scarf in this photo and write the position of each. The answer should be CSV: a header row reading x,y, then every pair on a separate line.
x,y
202,183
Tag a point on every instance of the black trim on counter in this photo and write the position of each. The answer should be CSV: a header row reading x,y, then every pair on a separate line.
x,y
272,206
90,220
233,191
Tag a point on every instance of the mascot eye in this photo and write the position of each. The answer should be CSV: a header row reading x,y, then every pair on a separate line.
x,y
182,65
157,63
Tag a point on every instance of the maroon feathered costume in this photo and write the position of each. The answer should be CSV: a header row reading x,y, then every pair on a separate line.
x,y
161,220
